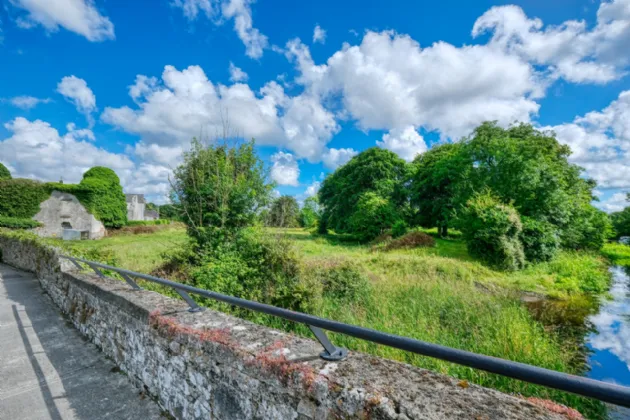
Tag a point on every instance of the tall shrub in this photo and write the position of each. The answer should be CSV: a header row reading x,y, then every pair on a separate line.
x,y
540,240
491,231
373,215
4,172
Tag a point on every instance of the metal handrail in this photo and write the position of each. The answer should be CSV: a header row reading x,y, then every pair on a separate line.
x,y
610,393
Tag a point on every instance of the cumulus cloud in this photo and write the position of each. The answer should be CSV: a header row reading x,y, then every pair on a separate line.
x,y
76,91
238,10
186,104
78,16
571,50
334,158
405,142
28,102
600,141
285,169
319,35
616,202
389,81
312,189
237,74
37,150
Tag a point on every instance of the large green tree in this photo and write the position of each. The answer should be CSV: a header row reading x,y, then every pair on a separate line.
x,y
621,221
4,172
374,170
310,212
439,184
284,212
221,186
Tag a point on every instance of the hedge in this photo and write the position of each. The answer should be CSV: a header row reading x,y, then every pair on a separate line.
x,y
18,223
21,197
148,222
4,172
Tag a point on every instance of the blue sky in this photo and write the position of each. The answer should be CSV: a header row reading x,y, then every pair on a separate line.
x,y
127,84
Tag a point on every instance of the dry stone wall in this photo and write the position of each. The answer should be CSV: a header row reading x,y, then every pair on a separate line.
x,y
211,365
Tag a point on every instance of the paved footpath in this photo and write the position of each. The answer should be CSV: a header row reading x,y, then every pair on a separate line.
x,y
48,371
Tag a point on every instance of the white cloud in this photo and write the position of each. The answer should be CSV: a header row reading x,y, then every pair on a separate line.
x,y
570,49
77,91
388,81
186,104
312,189
78,16
219,10
28,102
616,202
600,141
319,35
285,169
405,142
36,150
237,74
334,158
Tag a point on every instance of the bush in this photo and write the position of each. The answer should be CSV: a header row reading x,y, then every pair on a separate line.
x,y
251,265
491,231
373,215
589,229
540,240
148,222
414,239
4,172
21,197
399,229
339,279
18,223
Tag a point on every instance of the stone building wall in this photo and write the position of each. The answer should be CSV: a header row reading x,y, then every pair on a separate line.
x,y
136,206
211,365
63,210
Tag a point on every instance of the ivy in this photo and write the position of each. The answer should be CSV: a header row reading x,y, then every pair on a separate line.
x,y
21,197
4,172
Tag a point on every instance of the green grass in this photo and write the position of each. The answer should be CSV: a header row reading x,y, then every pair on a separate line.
x,y
439,295
617,253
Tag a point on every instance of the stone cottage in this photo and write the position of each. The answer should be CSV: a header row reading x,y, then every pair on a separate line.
x,y
136,206
64,211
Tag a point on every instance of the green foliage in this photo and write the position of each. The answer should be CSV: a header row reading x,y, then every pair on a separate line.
x,y
101,194
18,223
589,229
310,213
617,253
376,171
4,172
171,212
284,212
339,279
372,216
399,228
21,197
621,221
491,231
220,186
438,183
251,265
540,240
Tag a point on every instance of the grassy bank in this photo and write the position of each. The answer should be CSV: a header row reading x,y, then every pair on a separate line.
x,y
617,253
440,295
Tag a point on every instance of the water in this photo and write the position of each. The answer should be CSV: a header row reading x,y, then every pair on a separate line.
x,y
609,342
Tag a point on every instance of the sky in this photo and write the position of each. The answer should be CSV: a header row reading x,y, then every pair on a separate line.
x,y
127,84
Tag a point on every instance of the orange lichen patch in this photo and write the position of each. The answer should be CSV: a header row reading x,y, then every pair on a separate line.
x,y
570,413
272,360
170,327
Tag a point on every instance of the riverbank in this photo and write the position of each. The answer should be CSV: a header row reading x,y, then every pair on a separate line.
x,y
439,295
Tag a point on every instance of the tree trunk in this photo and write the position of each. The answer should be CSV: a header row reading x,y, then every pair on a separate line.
x,y
444,231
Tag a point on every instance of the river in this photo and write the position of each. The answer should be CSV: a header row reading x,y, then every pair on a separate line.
x,y
609,341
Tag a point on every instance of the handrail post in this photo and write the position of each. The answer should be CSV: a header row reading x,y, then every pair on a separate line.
x,y
331,352
96,270
76,264
130,281
190,301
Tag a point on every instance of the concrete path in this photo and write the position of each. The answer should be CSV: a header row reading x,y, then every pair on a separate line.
x,y
48,371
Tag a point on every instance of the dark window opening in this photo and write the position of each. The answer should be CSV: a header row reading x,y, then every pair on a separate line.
x,y
66,225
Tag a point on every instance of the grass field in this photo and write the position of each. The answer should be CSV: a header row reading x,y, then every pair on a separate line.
x,y
440,295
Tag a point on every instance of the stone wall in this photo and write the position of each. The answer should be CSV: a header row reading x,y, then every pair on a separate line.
x,y
63,210
135,206
211,365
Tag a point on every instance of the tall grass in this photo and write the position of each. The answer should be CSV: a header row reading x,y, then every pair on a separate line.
x,y
617,253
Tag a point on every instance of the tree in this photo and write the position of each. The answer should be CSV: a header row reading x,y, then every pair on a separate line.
x,y
437,185
374,170
284,212
4,172
373,215
171,212
221,186
310,213
621,221
491,230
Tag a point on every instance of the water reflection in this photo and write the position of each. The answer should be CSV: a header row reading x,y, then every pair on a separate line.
x,y
610,342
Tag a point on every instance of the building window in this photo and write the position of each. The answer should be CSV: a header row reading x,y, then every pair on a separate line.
x,y
66,225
